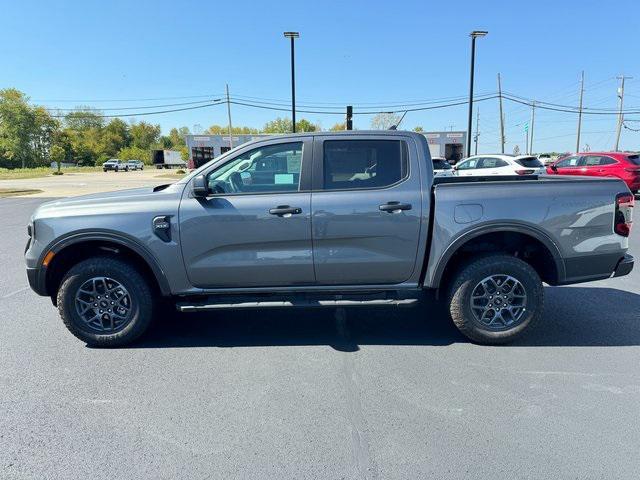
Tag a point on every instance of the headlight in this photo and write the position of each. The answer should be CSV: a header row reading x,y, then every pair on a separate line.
x,y
31,230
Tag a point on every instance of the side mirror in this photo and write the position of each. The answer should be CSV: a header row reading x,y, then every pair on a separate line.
x,y
554,168
200,187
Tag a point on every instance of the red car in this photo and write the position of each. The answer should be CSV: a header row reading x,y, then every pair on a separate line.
x,y
625,166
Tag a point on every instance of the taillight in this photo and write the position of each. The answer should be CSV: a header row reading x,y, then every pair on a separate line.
x,y
525,172
623,214
635,170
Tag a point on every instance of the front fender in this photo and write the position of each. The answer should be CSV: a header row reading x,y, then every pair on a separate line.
x,y
105,235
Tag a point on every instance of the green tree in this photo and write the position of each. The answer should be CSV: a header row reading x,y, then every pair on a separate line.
x,y
135,153
144,135
418,129
224,130
62,139
57,155
384,121
16,128
338,127
306,126
279,125
115,136
283,125
42,135
84,127
84,118
177,136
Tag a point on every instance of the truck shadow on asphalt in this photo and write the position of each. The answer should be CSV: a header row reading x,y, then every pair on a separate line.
x,y
574,317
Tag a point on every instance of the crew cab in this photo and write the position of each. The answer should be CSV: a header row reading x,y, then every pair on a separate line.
x,y
326,219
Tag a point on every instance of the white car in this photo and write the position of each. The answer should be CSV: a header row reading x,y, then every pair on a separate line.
x,y
135,165
442,167
480,165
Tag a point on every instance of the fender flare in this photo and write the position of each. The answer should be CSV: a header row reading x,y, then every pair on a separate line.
x,y
119,238
528,230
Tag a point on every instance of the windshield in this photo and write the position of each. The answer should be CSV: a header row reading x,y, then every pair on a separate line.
x,y
529,162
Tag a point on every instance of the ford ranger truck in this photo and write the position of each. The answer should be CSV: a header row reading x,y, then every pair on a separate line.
x,y
326,219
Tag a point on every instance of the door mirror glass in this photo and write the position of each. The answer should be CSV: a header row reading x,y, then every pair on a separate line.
x,y
200,188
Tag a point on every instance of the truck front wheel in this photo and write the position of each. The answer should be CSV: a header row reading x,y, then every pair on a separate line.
x,y
105,302
495,298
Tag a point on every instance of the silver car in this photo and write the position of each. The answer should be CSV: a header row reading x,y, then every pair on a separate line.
x,y
135,165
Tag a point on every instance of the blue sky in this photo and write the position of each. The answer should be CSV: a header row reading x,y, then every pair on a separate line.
x,y
100,53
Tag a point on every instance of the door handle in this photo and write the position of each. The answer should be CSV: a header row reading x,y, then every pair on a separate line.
x,y
394,207
285,211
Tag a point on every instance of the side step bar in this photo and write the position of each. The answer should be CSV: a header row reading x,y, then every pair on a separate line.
x,y
305,303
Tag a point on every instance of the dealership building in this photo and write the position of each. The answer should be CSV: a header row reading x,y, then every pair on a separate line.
x,y
202,148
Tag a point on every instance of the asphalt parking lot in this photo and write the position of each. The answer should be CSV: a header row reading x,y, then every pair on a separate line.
x,y
345,394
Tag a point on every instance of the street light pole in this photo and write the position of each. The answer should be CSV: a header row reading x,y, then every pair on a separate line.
x,y
293,36
475,34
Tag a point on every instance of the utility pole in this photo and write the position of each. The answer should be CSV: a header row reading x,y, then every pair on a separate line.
x,y
580,112
533,119
293,36
620,115
501,115
475,34
229,115
475,138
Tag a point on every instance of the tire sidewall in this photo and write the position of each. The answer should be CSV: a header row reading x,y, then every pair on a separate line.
x,y
133,282
519,270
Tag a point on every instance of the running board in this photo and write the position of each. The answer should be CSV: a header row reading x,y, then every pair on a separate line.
x,y
390,302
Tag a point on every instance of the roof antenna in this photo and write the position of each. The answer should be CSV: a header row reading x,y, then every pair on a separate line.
x,y
395,127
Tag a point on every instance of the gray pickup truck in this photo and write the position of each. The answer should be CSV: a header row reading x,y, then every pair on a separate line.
x,y
326,219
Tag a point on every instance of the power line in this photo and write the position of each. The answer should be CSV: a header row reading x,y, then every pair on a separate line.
x,y
137,114
130,99
80,109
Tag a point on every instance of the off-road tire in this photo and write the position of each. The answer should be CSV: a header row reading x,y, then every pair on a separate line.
x,y
137,286
466,280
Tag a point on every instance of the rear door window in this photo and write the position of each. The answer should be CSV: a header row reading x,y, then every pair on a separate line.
x,y
492,162
529,162
596,161
568,162
356,164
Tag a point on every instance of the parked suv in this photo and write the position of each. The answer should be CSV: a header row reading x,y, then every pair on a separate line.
x,y
502,164
115,165
625,166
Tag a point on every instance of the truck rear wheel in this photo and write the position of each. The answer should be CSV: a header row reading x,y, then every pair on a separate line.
x,y
495,298
105,302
